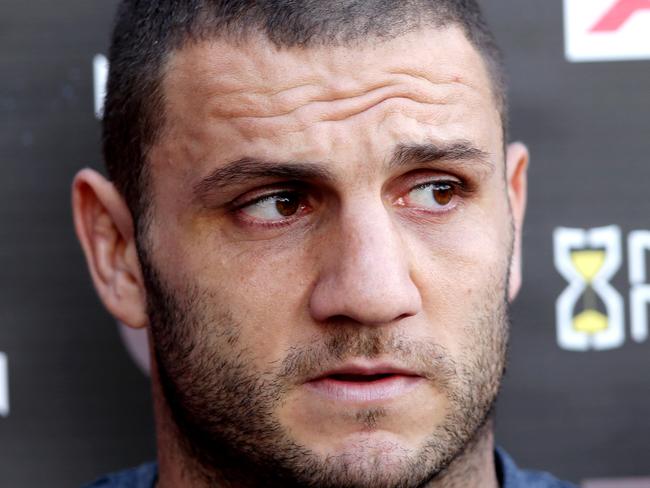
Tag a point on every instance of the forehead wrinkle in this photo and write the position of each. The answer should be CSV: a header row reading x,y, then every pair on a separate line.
x,y
212,71
404,80
258,83
389,98
451,79
298,122
334,103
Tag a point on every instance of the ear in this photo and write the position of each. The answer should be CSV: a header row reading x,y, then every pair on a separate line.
x,y
105,229
517,181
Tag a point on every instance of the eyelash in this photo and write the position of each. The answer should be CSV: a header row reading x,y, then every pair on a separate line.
x,y
237,208
459,190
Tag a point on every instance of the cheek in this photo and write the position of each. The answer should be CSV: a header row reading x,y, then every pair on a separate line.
x,y
264,287
461,271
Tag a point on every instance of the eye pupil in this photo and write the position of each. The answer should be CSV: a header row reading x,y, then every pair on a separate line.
x,y
443,194
287,206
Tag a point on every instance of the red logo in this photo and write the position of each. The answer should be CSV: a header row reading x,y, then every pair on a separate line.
x,y
619,14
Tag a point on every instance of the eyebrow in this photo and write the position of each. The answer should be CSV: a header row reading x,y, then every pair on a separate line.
x,y
458,151
246,169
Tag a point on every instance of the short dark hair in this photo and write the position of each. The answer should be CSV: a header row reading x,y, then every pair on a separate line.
x,y
146,32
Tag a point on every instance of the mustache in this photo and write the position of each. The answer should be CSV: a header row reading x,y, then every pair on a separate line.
x,y
425,358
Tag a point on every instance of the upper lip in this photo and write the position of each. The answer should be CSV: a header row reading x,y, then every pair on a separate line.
x,y
366,368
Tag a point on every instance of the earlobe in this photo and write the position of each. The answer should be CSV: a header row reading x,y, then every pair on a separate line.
x,y
104,227
517,180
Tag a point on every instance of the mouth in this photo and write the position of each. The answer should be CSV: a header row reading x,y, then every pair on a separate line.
x,y
364,383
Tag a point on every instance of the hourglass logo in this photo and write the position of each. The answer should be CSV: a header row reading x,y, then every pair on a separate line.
x,y
589,312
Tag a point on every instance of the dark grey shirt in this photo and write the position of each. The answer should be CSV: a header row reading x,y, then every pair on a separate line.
x,y
510,476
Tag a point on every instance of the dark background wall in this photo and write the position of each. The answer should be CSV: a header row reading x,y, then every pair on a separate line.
x,y
79,406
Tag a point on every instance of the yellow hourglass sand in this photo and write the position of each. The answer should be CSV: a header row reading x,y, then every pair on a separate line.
x,y
588,263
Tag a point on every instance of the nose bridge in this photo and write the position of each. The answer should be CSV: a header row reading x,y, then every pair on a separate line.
x,y
367,274
370,247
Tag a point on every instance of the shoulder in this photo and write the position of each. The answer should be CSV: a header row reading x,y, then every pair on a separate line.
x,y
143,476
513,477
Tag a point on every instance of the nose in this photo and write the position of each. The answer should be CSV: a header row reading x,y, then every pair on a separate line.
x,y
365,271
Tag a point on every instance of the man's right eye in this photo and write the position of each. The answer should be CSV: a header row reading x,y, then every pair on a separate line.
x,y
275,208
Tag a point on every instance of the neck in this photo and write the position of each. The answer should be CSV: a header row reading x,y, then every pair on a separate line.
x,y
175,464
473,468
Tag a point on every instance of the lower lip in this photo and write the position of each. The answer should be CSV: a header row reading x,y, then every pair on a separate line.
x,y
363,392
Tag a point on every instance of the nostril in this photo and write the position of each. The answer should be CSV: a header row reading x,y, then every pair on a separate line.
x,y
403,316
340,319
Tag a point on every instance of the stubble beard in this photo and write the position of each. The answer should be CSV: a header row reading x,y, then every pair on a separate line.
x,y
225,412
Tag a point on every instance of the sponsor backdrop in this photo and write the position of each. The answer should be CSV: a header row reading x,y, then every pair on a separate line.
x,y
74,397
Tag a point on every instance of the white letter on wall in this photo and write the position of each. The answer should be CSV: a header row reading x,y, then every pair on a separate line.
x,y
638,243
4,386
100,77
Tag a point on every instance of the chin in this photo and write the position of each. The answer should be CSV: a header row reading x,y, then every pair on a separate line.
x,y
365,474
372,450
372,459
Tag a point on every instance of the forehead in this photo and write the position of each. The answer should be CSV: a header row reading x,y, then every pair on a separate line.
x,y
430,83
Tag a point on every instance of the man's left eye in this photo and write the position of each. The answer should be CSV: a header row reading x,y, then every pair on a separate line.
x,y
438,194
277,207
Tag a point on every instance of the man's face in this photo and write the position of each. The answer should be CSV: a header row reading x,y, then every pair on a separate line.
x,y
328,254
